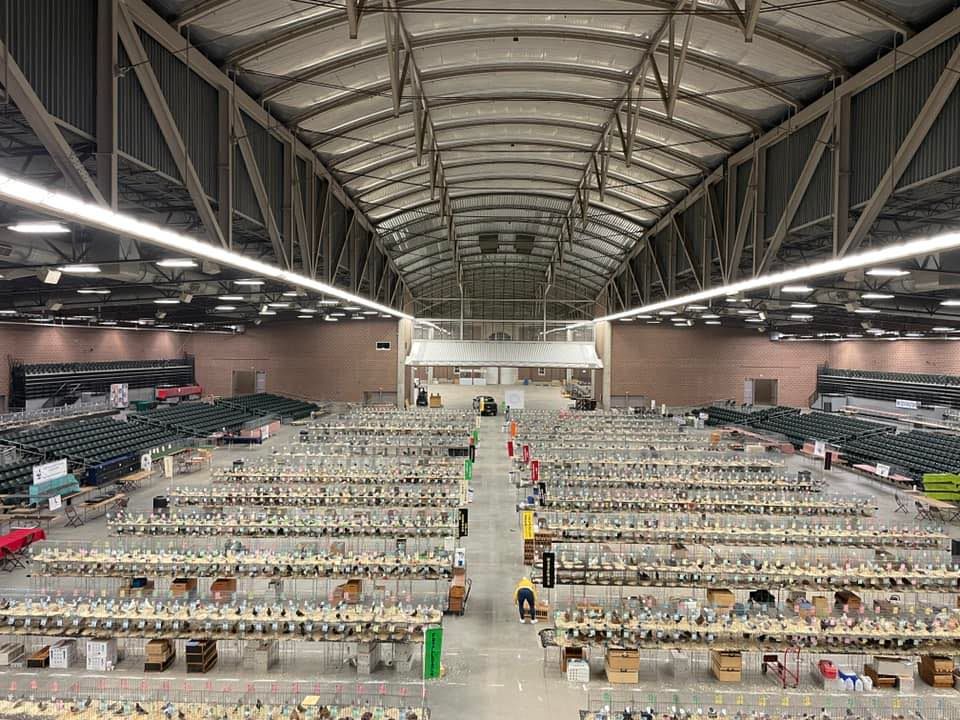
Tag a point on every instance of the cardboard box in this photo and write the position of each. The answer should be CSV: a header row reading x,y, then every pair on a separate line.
x,y
623,660
893,666
224,586
181,587
879,681
726,666
726,660
938,664
622,677
569,653
820,605
720,597
845,597
349,592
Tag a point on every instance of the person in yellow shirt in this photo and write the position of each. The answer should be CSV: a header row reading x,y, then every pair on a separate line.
x,y
525,594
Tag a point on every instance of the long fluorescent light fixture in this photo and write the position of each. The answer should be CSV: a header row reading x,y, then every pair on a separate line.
x,y
67,207
835,266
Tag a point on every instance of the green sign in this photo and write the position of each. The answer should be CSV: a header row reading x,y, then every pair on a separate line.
x,y
476,437
432,646
468,470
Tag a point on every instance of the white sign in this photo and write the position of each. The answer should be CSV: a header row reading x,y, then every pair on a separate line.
x,y
460,558
819,448
119,395
55,502
49,471
908,404
883,470
464,486
265,432
513,399
146,462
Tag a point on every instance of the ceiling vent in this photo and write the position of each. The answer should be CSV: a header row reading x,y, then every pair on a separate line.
x,y
489,243
523,243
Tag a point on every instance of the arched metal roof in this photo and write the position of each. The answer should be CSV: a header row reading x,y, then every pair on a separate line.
x,y
580,124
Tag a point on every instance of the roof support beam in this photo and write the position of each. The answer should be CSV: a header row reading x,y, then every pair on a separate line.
x,y
225,146
908,149
810,166
42,123
676,70
168,126
354,13
260,191
750,16
107,46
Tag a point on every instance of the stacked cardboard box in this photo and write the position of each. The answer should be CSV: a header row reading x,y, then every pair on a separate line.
x,y
623,666
457,596
936,670
726,666
101,655
63,654
160,655
201,655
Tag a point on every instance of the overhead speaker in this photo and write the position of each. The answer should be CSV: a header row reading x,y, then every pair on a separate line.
x,y
186,298
489,243
48,276
523,243
53,305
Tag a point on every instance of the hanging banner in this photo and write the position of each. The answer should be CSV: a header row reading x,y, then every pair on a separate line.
x,y
463,523
49,471
472,453
510,449
513,428
908,404
549,578
468,469
476,437
527,519
534,471
464,486
526,454
432,647
543,493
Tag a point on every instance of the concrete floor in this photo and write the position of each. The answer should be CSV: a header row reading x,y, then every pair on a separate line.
x,y
494,667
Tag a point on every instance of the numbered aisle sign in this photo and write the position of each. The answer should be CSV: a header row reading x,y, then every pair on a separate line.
x,y
432,647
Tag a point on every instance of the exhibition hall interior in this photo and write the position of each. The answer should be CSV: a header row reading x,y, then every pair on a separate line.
x,y
431,360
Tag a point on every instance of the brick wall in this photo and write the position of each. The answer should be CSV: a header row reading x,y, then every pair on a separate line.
x,y
311,359
318,360
927,356
696,365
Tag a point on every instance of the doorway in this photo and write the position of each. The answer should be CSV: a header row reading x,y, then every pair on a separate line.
x,y
760,391
244,382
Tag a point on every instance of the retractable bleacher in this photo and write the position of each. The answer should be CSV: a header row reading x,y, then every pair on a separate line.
x,y
924,388
57,380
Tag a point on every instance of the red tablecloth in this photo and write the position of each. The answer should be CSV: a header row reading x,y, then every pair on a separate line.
x,y
17,540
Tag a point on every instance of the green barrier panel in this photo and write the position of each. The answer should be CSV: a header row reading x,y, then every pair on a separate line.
x,y
432,646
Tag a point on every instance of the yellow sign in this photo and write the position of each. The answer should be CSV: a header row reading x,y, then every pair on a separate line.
x,y
528,524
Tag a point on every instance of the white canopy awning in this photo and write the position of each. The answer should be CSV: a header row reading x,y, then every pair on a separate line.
x,y
512,353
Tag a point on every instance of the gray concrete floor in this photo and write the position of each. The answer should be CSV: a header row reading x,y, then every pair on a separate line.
x,y
494,667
